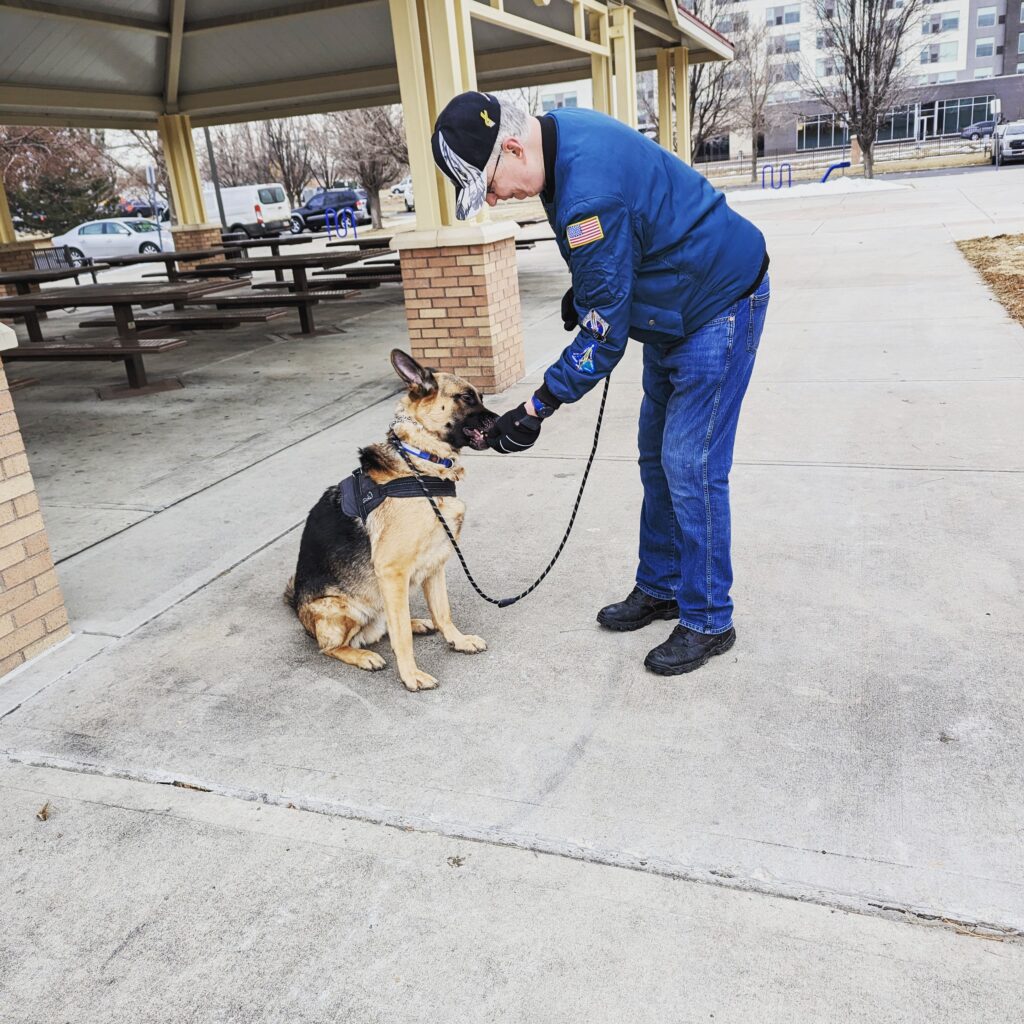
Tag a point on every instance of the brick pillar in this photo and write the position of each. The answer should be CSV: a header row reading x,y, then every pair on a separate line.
x,y
32,612
197,236
462,302
16,256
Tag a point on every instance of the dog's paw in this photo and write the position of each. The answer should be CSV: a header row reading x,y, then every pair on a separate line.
x,y
468,644
420,681
370,661
423,627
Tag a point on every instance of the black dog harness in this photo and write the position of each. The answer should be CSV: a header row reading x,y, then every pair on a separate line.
x,y
358,495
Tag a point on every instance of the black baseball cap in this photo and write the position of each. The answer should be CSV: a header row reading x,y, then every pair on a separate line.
x,y
463,139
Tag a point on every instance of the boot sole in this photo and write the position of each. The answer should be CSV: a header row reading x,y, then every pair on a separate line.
x,y
628,627
692,666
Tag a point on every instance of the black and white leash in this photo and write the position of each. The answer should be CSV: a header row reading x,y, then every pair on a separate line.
x,y
504,602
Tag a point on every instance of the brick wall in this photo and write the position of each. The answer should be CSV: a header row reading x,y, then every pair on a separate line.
x,y
16,256
200,236
32,613
462,308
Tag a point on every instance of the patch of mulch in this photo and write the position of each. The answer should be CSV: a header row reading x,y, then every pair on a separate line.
x,y
1000,261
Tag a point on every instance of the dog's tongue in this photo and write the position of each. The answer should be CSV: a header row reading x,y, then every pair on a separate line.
x,y
476,437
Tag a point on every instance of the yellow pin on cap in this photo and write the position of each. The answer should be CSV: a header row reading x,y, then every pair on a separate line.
x,y
487,118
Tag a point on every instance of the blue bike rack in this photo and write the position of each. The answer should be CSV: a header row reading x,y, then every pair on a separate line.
x,y
770,169
834,167
340,225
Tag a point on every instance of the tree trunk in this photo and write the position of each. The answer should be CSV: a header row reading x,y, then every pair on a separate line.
x,y
373,196
753,156
868,150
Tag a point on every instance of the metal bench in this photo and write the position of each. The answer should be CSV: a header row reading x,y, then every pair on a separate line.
x,y
130,353
59,258
332,282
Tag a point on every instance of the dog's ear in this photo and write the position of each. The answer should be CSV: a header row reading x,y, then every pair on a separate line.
x,y
420,380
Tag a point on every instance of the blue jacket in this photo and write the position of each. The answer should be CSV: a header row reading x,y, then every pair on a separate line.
x,y
654,251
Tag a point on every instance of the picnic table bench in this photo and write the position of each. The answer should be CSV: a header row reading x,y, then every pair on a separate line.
x,y
112,351
195,318
58,257
303,297
127,347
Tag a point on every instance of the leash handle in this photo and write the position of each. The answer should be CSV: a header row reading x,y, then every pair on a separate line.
x,y
505,602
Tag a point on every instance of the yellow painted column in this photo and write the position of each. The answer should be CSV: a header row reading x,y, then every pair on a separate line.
x,y
665,99
682,68
624,54
6,222
182,169
601,68
450,68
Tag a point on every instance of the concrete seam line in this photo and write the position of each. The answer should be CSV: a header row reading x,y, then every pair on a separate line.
x,y
536,843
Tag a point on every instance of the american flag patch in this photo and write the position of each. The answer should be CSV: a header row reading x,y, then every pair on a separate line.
x,y
584,231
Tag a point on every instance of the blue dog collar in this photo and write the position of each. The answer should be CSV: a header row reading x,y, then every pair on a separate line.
x,y
427,456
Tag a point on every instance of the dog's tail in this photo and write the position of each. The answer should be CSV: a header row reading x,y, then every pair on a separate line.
x,y
289,593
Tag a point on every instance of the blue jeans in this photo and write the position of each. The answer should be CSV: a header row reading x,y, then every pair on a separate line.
x,y
692,396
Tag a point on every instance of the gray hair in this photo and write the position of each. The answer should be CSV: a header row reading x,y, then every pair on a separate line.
x,y
514,122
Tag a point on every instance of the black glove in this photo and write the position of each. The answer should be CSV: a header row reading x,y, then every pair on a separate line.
x,y
514,431
569,319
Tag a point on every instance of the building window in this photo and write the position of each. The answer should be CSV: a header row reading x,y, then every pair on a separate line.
x,y
946,77
785,44
820,132
558,100
936,53
896,124
936,23
826,67
1020,43
789,15
982,72
984,47
986,17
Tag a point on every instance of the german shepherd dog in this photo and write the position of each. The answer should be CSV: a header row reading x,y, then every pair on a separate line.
x,y
352,581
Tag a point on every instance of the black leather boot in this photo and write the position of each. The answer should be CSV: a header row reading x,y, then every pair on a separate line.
x,y
639,609
686,649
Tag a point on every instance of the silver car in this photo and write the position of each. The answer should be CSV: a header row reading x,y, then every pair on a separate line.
x,y
122,236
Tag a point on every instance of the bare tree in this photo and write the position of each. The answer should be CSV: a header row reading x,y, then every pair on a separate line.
x,y
324,151
287,146
371,148
867,43
754,76
242,157
714,88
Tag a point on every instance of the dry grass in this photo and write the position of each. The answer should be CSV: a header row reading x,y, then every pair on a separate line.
x,y
1000,261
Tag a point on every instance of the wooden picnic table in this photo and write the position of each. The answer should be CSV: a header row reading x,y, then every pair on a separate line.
x,y
298,264
273,243
378,242
122,298
168,259
24,279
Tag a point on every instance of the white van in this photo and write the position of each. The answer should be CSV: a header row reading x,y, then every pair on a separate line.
x,y
255,209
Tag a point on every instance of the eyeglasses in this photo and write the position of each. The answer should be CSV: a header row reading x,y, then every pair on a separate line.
x,y
490,184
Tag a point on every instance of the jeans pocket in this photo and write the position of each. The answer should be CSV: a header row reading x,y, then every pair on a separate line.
x,y
755,322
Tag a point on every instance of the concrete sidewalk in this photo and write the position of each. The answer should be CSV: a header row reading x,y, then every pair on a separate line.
x,y
526,842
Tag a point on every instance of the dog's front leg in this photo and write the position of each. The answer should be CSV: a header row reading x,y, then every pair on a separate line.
x,y
435,590
394,588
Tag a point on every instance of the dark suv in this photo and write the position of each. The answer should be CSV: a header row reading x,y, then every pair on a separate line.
x,y
978,130
313,216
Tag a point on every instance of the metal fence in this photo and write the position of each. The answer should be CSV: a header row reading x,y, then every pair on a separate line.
x,y
819,159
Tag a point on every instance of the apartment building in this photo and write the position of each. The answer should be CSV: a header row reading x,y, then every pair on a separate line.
x,y
963,54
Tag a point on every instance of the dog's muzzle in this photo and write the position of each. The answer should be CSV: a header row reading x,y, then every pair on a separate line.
x,y
476,432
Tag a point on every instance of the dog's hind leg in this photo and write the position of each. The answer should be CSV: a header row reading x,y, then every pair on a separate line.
x,y
435,590
333,623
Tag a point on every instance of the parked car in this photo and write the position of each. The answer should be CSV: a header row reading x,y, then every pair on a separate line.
x,y
410,197
1008,142
258,210
313,216
122,236
978,130
399,189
